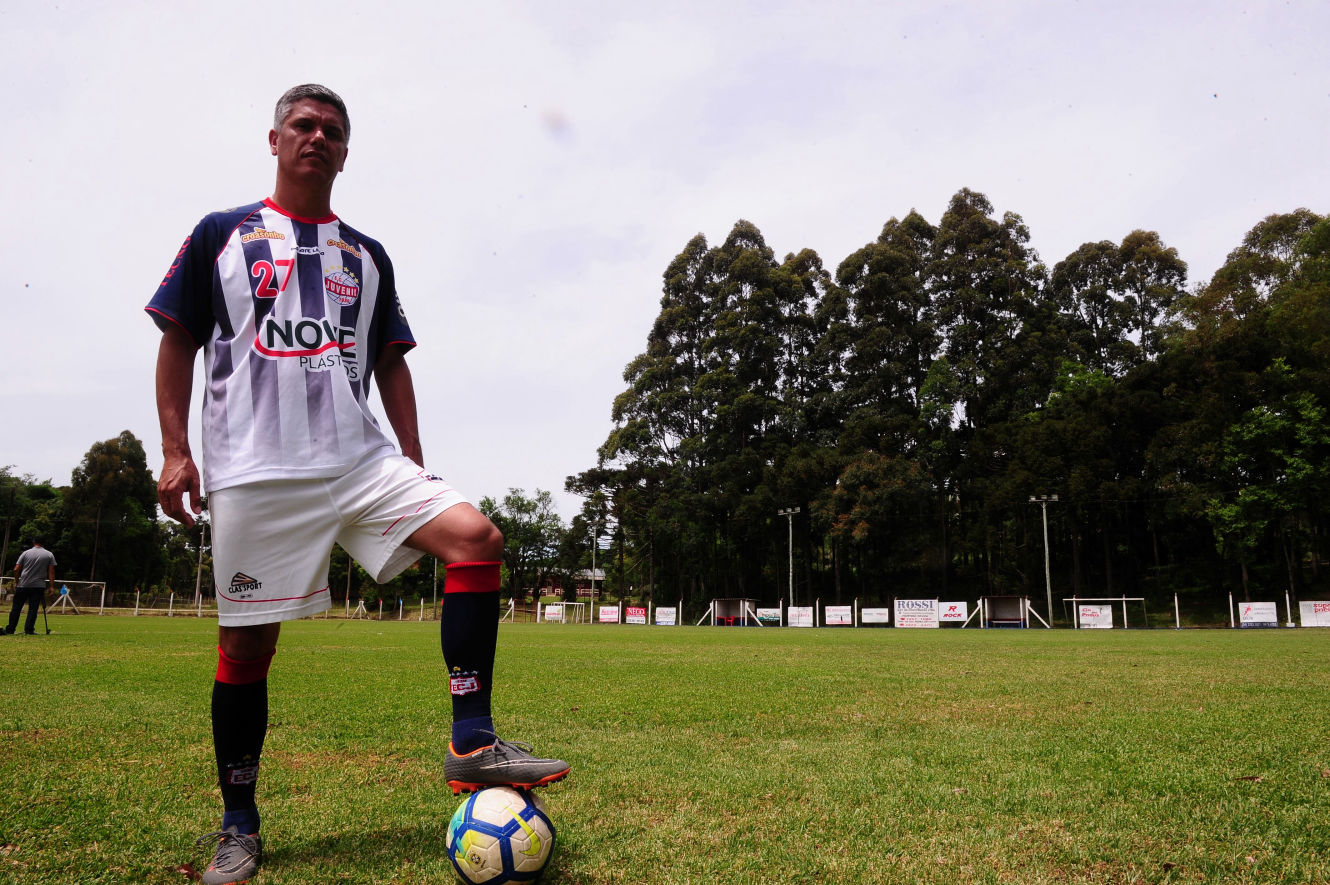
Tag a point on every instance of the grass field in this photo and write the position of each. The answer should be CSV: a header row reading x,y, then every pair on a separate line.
x,y
699,754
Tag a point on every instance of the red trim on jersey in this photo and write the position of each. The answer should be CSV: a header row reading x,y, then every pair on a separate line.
x,y
273,206
233,672
471,577
173,321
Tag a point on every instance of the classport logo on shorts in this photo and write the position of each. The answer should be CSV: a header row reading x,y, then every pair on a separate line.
x,y
243,586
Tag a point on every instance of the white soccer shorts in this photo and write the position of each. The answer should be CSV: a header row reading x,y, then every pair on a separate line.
x,y
272,539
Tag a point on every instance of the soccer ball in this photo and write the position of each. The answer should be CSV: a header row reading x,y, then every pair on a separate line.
x,y
500,835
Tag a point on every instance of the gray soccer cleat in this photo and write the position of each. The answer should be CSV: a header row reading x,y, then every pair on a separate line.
x,y
502,763
237,858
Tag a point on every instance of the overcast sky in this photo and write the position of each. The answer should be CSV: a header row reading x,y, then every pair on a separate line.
x,y
533,167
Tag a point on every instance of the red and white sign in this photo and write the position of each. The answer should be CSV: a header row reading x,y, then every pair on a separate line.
x,y
1096,617
953,612
635,614
554,612
839,616
1315,614
609,614
801,616
1258,614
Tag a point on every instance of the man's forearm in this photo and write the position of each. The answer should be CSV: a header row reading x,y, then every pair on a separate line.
x,y
399,404
175,382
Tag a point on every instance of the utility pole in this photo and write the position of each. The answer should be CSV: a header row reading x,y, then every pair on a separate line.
x,y
788,513
1043,501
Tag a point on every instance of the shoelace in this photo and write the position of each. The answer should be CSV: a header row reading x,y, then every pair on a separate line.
x,y
510,748
229,838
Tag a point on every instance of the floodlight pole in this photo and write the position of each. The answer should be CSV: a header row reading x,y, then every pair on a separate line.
x,y
788,513
1042,501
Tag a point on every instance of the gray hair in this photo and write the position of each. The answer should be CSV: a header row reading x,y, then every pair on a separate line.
x,y
317,93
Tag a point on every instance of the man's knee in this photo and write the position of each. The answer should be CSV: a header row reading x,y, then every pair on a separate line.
x,y
248,643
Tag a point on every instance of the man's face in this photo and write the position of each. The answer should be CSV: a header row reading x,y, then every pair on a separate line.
x,y
311,144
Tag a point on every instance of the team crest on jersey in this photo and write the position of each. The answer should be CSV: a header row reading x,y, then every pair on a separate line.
x,y
430,477
341,286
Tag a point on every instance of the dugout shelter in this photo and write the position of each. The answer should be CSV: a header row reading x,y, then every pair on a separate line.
x,y
732,613
1004,611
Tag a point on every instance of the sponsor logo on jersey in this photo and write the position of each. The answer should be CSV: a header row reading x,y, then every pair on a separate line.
x,y
341,286
262,233
318,344
430,477
243,586
308,250
345,247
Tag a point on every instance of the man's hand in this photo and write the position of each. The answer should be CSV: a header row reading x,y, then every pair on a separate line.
x,y
178,488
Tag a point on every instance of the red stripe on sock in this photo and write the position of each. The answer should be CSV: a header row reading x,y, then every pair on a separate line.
x,y
233,672
471,577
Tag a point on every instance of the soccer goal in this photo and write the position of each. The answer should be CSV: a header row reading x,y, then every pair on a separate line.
x,y
72,596
562,612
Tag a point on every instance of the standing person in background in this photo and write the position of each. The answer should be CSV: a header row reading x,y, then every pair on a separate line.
x,y
33,573
296,311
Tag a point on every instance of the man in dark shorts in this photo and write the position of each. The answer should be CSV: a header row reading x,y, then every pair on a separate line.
x,y
33,573
296,311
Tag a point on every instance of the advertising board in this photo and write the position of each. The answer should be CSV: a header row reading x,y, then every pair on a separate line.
x,y
1094,617
915,613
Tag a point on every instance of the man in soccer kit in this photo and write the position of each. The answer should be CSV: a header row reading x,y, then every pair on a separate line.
x,y
296,311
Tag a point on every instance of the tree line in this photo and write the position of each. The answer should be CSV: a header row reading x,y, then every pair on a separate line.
x,y
911,402
105,527
908,405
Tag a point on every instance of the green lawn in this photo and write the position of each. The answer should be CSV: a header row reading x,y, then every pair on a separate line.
x,y
700,755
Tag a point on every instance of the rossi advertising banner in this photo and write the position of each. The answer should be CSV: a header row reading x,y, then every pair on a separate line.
x,y
1258,614
635,614
916,613
667,617
839,616
609,614
1096,616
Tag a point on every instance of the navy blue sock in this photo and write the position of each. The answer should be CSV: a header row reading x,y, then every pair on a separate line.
x,y
239,724
246,821
468,632
472,734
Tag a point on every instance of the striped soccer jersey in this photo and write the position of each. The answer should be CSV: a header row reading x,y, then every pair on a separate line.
x,y
292,313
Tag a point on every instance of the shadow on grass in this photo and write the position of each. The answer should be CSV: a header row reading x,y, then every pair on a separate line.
x,y
381,853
